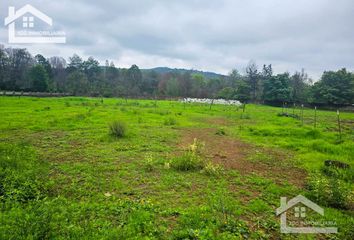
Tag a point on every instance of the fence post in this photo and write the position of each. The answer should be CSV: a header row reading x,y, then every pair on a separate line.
x,y
302,114
212,101
339,126
315,124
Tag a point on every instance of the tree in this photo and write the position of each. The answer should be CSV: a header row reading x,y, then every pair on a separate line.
x,y
4,65
78,83
199,86
267,73
277,89
299,86
58,65
227,93
243,91
20,61
39,78
253,79
92,70
334,88
75,63
134,80
234,78
45,63
172,87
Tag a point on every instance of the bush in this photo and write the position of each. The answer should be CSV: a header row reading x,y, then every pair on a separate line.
x,y
149,163
170,121
192,158
330,191
212,169
220,132
22,175
117,129
313,133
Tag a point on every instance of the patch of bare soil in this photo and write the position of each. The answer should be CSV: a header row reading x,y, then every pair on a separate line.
x,y
234,154
219,121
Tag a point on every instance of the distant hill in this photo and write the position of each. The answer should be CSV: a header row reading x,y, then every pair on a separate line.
x,y
162,70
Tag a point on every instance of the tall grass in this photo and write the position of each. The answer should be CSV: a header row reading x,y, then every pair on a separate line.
x,y
117,129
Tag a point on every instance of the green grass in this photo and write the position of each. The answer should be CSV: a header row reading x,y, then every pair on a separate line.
x,y
63,176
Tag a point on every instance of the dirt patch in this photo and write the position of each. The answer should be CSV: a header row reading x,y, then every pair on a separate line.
x,y
219,121
235,154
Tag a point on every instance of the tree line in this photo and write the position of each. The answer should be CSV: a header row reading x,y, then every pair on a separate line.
x,y
20,71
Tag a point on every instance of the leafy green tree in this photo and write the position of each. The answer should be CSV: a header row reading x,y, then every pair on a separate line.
x,y
334,88
253,79
277,89
172,87
20,61
299,87
75,63
45,63
39,78
199,86
243,91
4,65
92,71
227,93
78,83
48,68
134,80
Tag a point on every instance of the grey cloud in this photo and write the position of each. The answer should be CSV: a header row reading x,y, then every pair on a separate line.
x,y
210,35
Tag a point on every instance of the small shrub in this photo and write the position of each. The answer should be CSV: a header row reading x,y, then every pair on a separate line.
x,y
212,169
334,172
192,159
187,162
117,129
313,133
220,132
22,175
330,191
170,121
149,163
245,116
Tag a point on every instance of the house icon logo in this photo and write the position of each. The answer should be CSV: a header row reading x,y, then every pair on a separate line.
x,y
28,35
300,213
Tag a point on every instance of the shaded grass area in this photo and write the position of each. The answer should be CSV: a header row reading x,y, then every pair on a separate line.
x,y
67,177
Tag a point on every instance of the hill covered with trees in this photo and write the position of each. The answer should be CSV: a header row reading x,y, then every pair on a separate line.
x,y
20,71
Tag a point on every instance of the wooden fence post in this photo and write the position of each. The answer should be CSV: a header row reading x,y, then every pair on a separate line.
x,y
339,126
315,124
302,114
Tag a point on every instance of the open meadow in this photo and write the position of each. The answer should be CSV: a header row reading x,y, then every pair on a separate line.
x,y
91,168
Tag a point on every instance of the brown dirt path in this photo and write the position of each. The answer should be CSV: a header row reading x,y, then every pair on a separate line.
x,y
235,154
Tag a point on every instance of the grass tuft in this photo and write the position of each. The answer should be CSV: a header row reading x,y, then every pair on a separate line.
x,y
117,129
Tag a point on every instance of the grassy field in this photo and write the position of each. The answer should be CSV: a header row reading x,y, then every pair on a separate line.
x,y
180,171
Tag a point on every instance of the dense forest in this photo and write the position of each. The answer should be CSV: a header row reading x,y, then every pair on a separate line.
x,y
20,71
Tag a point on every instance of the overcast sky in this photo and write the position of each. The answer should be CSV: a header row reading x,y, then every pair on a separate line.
x,y
217,35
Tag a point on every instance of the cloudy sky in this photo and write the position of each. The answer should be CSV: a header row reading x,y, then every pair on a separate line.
x,y
217,35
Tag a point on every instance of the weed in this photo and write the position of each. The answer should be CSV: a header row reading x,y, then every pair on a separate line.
x,y
170,121
192,158
211,169
22,175
220,132
330,191
149,163
117,129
